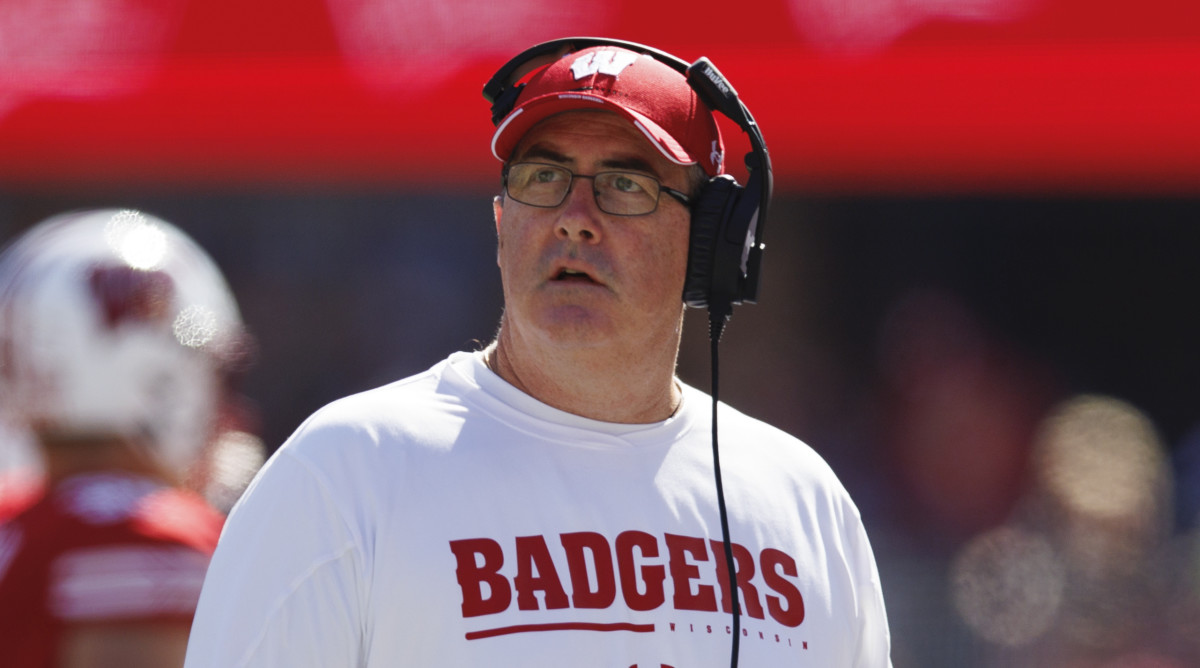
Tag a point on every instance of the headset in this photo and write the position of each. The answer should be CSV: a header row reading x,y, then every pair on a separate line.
x,y
725,247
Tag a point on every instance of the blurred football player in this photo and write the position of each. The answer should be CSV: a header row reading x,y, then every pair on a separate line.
x,y
119,340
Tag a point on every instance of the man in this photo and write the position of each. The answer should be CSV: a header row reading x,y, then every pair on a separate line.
x,y
549,500
118,337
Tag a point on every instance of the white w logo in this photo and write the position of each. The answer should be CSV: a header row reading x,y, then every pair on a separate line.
x,y
602,62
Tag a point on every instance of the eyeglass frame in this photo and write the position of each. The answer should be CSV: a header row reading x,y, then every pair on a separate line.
x,y
677,195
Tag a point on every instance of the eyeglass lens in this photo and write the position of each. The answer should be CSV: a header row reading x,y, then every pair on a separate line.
x,y
617,193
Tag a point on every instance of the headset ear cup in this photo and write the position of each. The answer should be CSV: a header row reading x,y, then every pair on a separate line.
x,y
708,218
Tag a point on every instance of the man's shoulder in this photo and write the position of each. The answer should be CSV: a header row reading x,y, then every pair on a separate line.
x,y
401,410
761,445
739,422
404,397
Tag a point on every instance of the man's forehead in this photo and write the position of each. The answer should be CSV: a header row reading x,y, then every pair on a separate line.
x,y
595,136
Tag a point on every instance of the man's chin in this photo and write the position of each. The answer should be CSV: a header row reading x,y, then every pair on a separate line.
x,y
576,325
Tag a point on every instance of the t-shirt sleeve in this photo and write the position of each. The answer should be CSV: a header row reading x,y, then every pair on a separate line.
x,y
283,586
874,649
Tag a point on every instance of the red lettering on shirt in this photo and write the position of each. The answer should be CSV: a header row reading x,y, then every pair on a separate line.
x,y
577,547
472,575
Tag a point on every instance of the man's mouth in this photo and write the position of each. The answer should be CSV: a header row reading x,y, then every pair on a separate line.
x,y
573,276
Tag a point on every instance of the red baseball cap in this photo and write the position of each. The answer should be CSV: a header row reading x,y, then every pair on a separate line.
x,y
651,95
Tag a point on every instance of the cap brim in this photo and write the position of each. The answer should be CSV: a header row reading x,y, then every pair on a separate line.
x,y
529,114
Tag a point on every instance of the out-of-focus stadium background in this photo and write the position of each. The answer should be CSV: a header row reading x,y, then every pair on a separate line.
x,y
980,283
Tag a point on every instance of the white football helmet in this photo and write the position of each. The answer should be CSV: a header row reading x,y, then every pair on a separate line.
x,y
114,322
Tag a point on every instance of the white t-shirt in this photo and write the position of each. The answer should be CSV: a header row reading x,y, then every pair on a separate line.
x,y
449,519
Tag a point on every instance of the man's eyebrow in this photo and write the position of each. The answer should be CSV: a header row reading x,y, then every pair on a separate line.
x,y
543,152
631,163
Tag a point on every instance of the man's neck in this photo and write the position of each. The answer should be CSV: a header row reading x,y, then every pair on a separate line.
x,y
630,386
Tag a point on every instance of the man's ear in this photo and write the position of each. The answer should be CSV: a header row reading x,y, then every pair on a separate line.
x,y
497,211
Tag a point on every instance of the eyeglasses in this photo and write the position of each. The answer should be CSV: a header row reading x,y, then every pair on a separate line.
x,y
616,193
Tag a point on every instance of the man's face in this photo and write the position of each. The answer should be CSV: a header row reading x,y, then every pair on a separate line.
x,y
574,275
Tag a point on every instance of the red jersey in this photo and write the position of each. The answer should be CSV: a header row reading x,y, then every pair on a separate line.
x,y
96,548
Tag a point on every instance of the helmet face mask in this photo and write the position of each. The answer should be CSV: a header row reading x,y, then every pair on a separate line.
x,y
114,323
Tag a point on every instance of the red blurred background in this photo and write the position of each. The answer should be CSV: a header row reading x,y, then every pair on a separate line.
x,y
885,95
